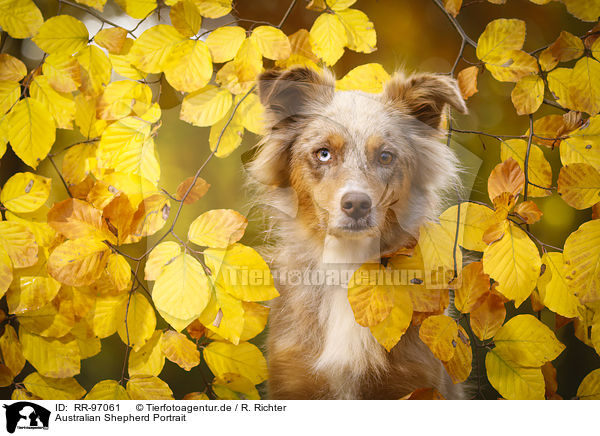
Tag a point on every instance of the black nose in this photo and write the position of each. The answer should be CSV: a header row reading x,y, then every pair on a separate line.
x,y
356,204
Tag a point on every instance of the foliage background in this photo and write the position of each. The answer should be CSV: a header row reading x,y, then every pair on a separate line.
x,y
412,34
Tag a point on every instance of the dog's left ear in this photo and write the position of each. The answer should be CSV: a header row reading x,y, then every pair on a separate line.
x,y
424,96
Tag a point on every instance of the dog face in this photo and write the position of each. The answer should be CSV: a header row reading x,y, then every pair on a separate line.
x,y
360,164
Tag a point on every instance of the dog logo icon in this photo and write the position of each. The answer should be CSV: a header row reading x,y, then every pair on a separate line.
x,y
26,415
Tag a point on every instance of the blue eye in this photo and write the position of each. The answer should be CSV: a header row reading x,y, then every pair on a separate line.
x,y
323,155
385,157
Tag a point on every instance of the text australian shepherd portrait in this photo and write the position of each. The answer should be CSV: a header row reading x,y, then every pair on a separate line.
x,y
349,176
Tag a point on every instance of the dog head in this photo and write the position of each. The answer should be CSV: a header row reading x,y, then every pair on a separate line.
x,y
360,164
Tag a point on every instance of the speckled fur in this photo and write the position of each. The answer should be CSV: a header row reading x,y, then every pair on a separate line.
x,y
315,348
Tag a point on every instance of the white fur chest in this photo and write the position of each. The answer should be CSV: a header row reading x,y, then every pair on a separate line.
x,y
348,348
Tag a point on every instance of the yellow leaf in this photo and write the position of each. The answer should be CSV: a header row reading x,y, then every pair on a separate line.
x,y
137,8
95,70
22,395
339,5
51,357
156,48
136,188
437,248
122,62
19,243
226,135
182,288
180,350
255,320
528,94
96,4
244,359
20,18
589,389
579,185
6,272
528,212
108,314
78,262
77,162
148,388
389,331
161,255
85,117
588,10
206,106
31,294
560,84
149,360
31,131
473,222
119,272
554,290
514,262
583,145
11,68
10,92
360,32
440,334
367,77
547,60
370,297
460,366
111,39
582,260
585,86
107,390
141,322
239,75
467,81
512,381
53,388
62,34
538,169
527,341
217,228
234,387
567,47
224,42
516,65
122,97
12,351
252,112
25,192
193,70
499,38
328,38
271,42
241,272
89,347
60,105
186,18
213,8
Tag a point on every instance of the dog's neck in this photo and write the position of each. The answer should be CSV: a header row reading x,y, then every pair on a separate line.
x,y
350,251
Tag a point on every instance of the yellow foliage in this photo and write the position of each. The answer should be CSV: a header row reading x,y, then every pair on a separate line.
x,y
180,350
440,334
107,390
217,228
244,359
25,192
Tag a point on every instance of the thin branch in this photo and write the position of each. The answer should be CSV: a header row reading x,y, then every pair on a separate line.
x,y
97,15
287,14
62,179
526,160
456,24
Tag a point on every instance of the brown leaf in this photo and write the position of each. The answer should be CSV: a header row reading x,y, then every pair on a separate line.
x,y
528,212
506,177
487,319
567,47
197,192
474,287
549,373
467,81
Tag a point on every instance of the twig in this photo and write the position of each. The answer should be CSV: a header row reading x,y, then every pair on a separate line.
x,y
456,24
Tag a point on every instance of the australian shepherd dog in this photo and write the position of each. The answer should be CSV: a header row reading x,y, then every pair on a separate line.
x,y
348,176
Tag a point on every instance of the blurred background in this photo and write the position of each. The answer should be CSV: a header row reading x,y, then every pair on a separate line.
x,y
412,35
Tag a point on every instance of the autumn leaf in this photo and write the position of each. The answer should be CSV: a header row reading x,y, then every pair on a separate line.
x,y
440,334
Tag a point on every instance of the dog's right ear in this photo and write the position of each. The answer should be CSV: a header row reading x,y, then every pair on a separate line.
x,y
290,94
